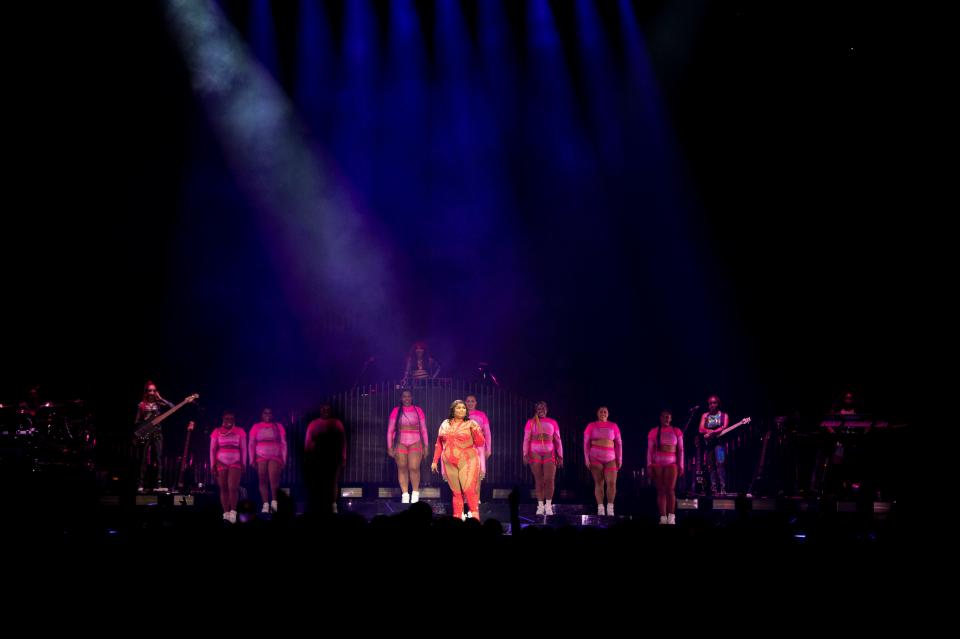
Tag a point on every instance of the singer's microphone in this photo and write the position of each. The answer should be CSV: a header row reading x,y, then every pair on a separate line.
x,y
695,408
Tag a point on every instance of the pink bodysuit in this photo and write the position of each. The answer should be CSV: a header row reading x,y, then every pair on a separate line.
x,y
268,441
413,430
597,450
481,418
670,450
228,448
541,444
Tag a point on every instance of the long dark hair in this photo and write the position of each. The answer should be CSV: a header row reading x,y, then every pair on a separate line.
x,y
400,406
453,407
145,387
412,354
665,411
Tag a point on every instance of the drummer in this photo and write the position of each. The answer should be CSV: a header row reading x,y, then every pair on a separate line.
x,y
32,403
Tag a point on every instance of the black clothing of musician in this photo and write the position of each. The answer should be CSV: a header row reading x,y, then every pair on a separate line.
x,y
150,450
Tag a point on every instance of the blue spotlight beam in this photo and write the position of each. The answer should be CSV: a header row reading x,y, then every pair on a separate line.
x,y
324,244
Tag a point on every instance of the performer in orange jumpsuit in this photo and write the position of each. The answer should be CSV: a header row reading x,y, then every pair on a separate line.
x,y
457,442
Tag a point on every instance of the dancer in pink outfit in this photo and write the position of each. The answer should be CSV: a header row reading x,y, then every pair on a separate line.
x,y
268,450
408,426
543,450
486,449
665,465
228,458
603,454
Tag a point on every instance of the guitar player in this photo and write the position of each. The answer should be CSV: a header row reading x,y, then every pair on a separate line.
x,y
715,453
150,450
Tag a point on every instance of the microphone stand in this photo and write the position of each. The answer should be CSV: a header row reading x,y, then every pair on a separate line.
x,y
363,370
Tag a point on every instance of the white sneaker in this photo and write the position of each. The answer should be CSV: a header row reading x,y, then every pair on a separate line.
x,y
405,498
226,516
232,516
540,508
600,510
663,520
609,510
463,516
273,506
414,496
266,508
548,510
672,519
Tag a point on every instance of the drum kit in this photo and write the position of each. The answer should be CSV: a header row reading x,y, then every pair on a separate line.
x,y
47,433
